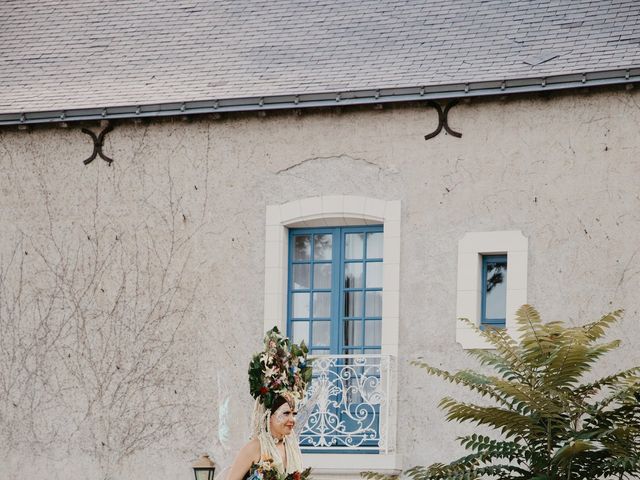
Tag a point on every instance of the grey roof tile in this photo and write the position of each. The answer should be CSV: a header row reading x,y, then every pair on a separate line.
x,y
62,54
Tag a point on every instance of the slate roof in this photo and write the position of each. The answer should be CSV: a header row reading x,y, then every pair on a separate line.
x,y
60,54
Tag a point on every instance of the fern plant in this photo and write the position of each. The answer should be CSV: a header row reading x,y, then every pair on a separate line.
x,y
550,425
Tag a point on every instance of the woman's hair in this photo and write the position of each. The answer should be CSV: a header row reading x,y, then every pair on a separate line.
x,y
277,403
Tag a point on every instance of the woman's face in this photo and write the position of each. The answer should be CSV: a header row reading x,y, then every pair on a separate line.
x,y
282,421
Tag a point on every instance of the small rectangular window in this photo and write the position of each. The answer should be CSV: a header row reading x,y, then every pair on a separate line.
x,y
494,291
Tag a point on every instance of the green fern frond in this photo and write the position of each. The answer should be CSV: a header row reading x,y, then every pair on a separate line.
x,y
505,368
526,399
438,471
503,471
598,328
529,325
566,366
468,378
495,448
378,476
509,350
510,423
567,453
627,391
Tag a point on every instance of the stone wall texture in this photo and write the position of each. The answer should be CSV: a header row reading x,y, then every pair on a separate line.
x,y
131,294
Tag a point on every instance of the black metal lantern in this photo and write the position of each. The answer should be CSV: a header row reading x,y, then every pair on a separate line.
x,y
204,468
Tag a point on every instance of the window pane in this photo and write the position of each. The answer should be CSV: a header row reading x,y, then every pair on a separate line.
x,y
374,275
322,275
354,245
373,304
322,304
300,305
301,276
322,245
302,247
352,304
321,334
373,333
374,245
353,275
351,351
300,332
496,290
353,333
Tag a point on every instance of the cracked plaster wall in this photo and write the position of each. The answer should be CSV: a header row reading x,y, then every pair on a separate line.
x,y
564,170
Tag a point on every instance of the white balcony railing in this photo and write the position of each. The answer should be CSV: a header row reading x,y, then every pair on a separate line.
x,y
349,405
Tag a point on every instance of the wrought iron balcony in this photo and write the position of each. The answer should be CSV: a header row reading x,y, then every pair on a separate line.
x,y
348,405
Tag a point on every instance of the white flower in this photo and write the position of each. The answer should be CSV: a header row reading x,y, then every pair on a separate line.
x,y
270,372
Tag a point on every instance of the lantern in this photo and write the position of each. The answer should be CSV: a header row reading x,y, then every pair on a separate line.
x,y
204,468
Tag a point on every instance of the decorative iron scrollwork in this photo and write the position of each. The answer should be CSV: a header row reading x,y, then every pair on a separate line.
x,y
443,120
351,393
98,142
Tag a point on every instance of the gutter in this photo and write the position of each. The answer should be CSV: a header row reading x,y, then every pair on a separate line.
x,y
627,76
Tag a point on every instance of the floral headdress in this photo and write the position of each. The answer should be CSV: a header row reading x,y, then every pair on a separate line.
x,y
282,369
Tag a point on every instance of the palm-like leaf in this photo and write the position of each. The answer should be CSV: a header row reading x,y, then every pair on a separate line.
x,y
552,428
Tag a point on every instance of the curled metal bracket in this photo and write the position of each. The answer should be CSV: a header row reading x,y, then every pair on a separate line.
x,y
443,120
98,142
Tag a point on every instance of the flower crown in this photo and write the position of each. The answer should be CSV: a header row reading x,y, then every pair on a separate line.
x,y
282,369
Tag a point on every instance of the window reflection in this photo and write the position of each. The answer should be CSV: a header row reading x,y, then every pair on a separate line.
x,y
352,304
322,275
300,332
374,274
374,245
373,304
373,332
301,276
353,333
495,287
302,247
354,245
322,246
353,275
321,332
300,305
322,305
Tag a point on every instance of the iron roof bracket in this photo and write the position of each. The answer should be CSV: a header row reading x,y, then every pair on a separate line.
x,y
98,143
443,119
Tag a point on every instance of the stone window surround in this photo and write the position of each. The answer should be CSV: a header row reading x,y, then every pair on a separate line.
x,y
471,247
338,210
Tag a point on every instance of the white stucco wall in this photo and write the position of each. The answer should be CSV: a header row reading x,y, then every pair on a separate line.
x,y
182,211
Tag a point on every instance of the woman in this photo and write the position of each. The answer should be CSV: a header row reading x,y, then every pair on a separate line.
x,y
278,377
277,443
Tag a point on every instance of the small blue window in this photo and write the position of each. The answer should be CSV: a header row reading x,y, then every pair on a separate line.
x,y
494,291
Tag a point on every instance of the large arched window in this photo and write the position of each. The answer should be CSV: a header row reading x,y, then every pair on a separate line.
x,y
336,211
332,277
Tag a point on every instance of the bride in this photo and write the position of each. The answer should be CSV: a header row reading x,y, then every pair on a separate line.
x,y
278,377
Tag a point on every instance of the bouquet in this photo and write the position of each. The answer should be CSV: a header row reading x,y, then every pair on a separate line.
x,y
265,470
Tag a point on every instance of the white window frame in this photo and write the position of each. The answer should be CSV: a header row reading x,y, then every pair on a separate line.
x,y
471,247
339,210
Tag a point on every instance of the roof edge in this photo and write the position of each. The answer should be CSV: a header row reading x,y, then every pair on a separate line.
x,y
331,99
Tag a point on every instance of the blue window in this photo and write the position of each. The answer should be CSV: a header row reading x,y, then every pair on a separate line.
x,y
494,291
335,306
335,289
